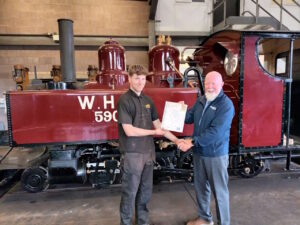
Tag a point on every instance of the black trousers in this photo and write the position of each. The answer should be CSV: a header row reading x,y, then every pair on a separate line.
x,y
137,184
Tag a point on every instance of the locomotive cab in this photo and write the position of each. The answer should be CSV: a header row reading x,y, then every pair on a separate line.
x,y
281,69
261,75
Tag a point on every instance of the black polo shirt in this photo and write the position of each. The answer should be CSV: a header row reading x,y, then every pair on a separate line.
x,y
140,112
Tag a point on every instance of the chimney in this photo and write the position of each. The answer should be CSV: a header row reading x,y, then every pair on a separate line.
x,y
66,44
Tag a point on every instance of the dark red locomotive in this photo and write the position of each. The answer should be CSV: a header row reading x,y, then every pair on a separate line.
x,y
79,126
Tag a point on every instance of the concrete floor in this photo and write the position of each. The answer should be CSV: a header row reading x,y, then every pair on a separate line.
x,y
268,199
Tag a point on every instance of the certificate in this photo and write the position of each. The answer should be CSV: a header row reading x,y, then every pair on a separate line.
x,y
174,116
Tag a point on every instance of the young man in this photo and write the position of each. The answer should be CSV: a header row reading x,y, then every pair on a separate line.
x,y
212,115
136,118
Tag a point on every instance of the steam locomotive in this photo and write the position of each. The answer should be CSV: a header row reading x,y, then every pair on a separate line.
x,y
79,126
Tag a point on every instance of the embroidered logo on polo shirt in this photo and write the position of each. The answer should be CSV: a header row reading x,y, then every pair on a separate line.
x,y
213,107
147,106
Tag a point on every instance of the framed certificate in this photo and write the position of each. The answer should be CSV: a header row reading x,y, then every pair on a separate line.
x,y
174,116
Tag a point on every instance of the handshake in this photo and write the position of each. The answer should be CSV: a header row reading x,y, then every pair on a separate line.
x,y
184,144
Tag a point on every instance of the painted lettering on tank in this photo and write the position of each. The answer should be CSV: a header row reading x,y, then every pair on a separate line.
x,y
87,102
107,101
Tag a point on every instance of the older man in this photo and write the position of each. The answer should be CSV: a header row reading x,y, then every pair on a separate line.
x,y
212,116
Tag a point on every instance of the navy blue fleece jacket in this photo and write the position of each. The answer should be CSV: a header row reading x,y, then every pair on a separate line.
x,y
211,134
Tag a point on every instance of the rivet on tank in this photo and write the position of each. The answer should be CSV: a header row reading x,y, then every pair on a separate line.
x,y
112,74
164,64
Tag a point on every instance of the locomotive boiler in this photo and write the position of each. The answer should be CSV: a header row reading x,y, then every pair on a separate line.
x,y
79,126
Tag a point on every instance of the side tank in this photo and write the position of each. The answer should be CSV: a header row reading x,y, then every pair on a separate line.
x,y
161,74
112,74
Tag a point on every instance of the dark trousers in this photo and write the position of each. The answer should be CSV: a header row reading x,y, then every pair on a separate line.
x,y
137,183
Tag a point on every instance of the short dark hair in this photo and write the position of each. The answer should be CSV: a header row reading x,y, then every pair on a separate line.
x,y
138,70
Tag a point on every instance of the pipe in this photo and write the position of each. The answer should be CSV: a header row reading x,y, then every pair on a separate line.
x,y
66,44
280,26
288,157
280,156
79,40
256,12
199,75
171,64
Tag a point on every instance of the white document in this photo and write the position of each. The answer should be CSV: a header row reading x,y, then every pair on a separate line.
x,y
174,116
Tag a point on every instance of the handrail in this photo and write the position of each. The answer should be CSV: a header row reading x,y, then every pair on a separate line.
x,y
263,9
214,9
284,9
244,12
258,6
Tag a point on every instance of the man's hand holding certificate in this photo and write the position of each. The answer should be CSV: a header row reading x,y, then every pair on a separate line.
x,y
174,116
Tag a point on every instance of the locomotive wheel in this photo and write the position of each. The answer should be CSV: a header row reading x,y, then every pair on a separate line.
x,y
186,162
34,179
247,166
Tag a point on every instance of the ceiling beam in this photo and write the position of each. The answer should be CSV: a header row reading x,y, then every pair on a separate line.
x,y
79,40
